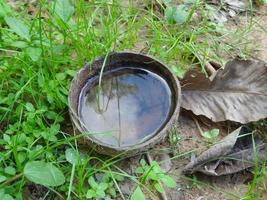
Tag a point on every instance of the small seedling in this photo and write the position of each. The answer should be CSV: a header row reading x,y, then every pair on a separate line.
x,y
210,136
103,188
154,176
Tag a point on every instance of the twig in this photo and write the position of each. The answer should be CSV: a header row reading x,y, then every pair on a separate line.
x,y
211,70
198,126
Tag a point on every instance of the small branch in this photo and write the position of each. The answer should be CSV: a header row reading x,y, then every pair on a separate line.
x,y
198,126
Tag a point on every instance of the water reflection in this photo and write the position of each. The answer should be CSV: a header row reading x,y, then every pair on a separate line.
x,y
129,107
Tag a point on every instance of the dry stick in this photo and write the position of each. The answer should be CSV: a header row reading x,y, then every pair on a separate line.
x,y
163,194
211,70
198,126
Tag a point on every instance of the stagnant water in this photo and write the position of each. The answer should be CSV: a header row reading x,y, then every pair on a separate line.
x,y
130,106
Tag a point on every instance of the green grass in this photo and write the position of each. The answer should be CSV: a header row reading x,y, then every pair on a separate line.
x,y
39,55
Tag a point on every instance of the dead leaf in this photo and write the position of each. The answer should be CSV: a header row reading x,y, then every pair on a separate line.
x,y
237,93
231,155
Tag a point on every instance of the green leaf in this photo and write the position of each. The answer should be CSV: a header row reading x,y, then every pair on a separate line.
x,y
159,188
7,197
18,27
138,194
10,170
64,9
169,12
2,178
19,44
143,162
71,156
100,193
167,2
90,194
6,138
112,192
181,14
214,133
92,182
22,156
29,107
103,186
178,71
211,134
119,177
168,181
43,173
61,76
4,9
206,135
34,53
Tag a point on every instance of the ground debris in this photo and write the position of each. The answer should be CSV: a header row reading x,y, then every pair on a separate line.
x,y
237,93
231,155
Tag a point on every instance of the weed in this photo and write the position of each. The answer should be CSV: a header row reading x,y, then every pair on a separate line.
x,y
210,136
155,176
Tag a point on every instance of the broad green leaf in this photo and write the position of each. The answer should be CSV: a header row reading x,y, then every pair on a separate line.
x,y
18,27
43,173
138,194
168,181
64,9
71,156
181,14
34,53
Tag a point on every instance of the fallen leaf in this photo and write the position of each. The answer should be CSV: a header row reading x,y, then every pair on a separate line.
x,y
237,93
234,153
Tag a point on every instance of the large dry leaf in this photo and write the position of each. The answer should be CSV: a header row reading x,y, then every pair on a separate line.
x,y
237,93
234,153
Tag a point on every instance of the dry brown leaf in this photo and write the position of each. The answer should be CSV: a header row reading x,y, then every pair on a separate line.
x,y
237,93
234,153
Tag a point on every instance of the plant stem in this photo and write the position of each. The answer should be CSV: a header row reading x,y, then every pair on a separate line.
x,y
7,182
